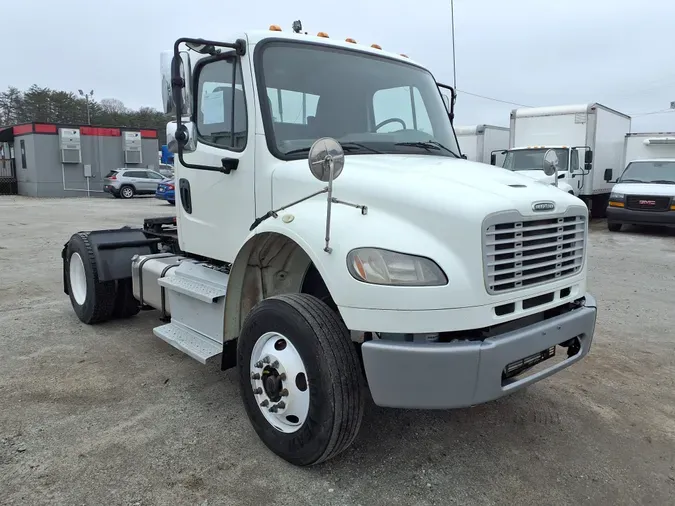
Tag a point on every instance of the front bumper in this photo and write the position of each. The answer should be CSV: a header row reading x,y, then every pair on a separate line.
x,y
465,373
635,217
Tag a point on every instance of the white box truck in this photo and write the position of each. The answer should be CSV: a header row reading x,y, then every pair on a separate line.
x,y
477,142
315,283
648,146
589,142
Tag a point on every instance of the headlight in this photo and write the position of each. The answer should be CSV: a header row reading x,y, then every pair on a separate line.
x,y
383,267
618,197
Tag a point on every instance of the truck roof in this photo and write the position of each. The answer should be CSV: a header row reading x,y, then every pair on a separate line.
x,y
557,110
476,129
650,134
256,36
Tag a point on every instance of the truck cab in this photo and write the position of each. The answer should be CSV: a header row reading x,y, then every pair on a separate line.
x,y
574,163
330,239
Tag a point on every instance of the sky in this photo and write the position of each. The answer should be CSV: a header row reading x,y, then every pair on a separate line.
x,y
536,53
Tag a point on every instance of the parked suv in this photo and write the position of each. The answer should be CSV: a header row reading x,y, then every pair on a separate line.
x,y
125,183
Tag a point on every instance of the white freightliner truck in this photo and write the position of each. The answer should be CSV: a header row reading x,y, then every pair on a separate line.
x,y
391,262
588,139
478,142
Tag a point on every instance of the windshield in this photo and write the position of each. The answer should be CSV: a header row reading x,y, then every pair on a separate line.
x,y
649,172
369,104
533,159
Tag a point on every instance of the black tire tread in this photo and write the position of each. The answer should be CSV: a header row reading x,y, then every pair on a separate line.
x,y
104,293
343,364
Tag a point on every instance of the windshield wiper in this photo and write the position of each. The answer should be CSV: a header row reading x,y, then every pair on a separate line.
x,y
663,181
428,145
347,146
632,181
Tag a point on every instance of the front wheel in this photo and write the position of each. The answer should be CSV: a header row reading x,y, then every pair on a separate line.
x,y
300,378
127,192
614,227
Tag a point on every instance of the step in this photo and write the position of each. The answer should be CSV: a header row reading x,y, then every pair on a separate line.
x,y
206,292
192,343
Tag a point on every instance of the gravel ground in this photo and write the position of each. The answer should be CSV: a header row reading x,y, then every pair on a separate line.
x,y
112,415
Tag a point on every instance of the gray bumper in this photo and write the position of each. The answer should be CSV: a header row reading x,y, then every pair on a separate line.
x,y
455,375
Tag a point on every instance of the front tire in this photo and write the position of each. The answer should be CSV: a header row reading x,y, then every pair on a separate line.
x,y
300,378
93,301
614,227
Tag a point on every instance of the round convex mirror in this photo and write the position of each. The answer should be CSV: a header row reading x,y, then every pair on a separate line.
x,y
323,152
550,162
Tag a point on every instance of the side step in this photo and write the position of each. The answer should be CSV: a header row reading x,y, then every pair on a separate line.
x,y
192,343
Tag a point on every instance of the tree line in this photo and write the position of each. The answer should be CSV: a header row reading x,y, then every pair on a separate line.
x,y
45,105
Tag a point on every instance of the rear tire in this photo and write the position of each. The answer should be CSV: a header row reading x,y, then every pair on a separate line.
x,y
93,301
127,192
300,333
614,227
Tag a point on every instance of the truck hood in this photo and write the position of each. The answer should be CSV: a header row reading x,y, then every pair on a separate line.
x,y
423,181
655,189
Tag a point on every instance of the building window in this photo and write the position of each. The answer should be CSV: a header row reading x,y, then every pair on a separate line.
x,y
24,165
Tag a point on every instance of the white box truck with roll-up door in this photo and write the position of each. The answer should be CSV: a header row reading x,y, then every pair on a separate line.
x,y
589,142
388,262
477,142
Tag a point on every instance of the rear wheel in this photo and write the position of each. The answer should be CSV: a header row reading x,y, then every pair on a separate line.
x,y
614,227
126,192
300,378
92,300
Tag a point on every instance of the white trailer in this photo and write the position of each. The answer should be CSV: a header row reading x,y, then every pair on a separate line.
x,y
647,146
389,263
592,130
477,142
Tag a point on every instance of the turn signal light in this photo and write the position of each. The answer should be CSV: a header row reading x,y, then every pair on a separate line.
x,y
275,28
322,34
615,204
376,46
350,40
404,55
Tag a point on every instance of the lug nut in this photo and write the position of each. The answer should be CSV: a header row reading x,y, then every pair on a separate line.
x,y
264,403
255,376
275,364
280,405
266,360
284,393
259,364
257,391
274,409
282,376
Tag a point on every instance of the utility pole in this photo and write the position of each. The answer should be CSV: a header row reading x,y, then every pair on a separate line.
x,y
87,96
454,63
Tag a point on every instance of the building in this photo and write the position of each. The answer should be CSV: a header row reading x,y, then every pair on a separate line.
x,y
47,160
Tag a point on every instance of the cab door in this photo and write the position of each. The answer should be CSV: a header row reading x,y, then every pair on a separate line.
x,y
575,175
215,209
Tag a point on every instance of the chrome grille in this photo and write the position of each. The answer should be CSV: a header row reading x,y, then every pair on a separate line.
x,y
529,252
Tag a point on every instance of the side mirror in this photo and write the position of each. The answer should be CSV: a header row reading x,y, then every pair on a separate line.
x,y
446,101
326,160
550,164
493,159
186,137
588,157
178,81
608,175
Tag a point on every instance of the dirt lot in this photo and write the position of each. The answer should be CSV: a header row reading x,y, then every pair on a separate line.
x,y
112,415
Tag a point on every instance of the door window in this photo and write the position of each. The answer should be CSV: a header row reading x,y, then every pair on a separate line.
x,y
221,105
574,162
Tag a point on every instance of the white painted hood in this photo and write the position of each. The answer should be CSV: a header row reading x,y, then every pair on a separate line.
x,y
439,184
655,189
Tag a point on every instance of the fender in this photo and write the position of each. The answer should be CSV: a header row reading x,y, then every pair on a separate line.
x,y
113,250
